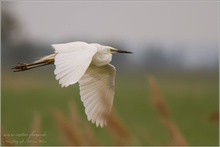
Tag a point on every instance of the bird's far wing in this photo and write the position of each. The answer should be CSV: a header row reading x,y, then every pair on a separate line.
x,y
71,61
97,92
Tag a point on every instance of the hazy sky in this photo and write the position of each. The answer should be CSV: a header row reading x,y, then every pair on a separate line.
x,y
185,22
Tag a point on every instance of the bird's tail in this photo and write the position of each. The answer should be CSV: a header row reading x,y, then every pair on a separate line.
x,y
38,63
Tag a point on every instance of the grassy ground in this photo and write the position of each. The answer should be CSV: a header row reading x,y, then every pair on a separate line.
x,y
191,99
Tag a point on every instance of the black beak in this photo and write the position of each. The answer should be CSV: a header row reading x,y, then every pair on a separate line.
x,y
121,51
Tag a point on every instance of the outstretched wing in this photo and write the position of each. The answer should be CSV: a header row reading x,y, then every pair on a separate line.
x,y
97,92
71,61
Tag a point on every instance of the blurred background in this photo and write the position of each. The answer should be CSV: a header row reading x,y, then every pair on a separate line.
x,y
175,51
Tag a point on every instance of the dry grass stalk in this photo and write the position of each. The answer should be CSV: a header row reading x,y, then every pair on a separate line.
x,y
214,116
74,117
6,140
70,134
177,137
75,120
118,129
36,130
89,137
161,106
158,99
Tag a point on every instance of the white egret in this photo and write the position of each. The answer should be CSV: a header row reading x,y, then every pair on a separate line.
x,y
87,64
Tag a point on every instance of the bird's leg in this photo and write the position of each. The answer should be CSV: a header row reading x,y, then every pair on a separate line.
x,y
25,66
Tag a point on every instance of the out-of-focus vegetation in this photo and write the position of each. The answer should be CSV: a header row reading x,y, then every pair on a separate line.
x,y
185,111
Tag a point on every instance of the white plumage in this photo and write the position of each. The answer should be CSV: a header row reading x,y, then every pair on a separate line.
x,y
72,61
97,92
87,64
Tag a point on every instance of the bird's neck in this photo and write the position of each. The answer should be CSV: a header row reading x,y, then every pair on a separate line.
x,y
100,59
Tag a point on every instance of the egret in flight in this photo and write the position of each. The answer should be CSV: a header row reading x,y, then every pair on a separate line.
x,y
87,64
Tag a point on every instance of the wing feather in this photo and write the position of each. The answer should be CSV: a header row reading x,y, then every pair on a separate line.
x,y
97,92
72,61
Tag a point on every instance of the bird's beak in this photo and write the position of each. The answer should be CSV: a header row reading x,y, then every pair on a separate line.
x,y
119,51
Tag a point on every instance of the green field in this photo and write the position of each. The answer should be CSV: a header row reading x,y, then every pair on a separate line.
x,y
191,99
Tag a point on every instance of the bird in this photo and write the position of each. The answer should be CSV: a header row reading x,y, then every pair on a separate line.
x,y
89,65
